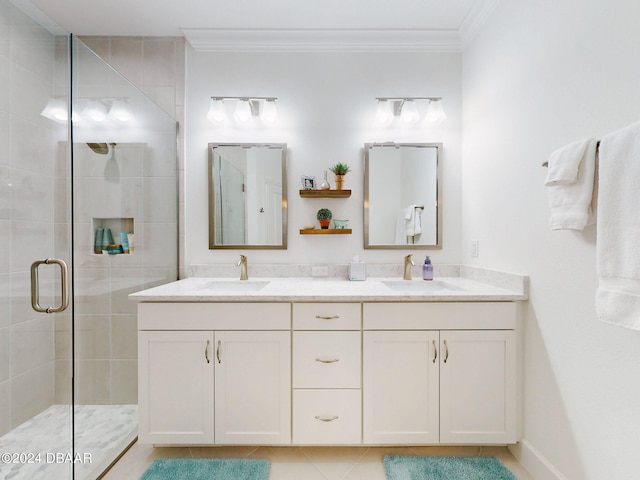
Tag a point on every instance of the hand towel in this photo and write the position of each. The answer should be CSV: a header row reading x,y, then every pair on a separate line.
x,y
413,223
565,162
618,230
571,202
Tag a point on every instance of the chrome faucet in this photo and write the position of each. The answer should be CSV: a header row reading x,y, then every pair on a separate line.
x,y
242,263
408,261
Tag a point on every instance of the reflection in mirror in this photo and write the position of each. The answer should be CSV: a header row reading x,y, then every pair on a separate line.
x,y
247,196
402,196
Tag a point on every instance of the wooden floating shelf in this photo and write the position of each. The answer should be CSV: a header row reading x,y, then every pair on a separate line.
x,y
325,231
325,193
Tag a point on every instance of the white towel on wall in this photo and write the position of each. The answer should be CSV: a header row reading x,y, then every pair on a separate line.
x,y
618,230
565,162
571,201
408,224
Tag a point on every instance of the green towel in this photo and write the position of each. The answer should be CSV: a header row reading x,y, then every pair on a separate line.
x,y
399,467
207,469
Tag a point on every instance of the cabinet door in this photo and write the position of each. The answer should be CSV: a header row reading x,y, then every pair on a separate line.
x,y
253,387
175,387
400,387
477,386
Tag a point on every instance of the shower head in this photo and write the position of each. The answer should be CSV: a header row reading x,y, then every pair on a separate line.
x,y
100,148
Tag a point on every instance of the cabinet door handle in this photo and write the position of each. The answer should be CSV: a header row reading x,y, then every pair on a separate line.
x,y
326,419
435,351
333,360
327,317
218,351
446,351
206,352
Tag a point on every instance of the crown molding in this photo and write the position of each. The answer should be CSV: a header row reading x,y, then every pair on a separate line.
x,y
321,40
342,40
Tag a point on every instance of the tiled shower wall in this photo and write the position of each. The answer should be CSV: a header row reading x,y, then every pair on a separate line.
x,y
27,228
156,65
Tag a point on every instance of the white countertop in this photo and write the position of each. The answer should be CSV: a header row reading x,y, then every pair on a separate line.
x,y
305,289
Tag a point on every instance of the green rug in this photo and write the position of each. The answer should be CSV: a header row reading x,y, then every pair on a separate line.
x,y
399,467
207,469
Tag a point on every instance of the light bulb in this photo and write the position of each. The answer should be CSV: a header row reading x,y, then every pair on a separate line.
x,y
120,112
409,113
269,113
242,113
96,111
217,113
435,113
56,110
384,113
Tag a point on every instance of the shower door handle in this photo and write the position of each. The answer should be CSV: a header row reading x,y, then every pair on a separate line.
x,y
35,289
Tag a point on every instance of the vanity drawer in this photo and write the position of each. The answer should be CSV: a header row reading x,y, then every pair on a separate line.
x,y
326,316
326,359
440,316
327,417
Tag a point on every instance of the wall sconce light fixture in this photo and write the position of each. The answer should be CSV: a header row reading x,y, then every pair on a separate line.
x,y
407,110
93,110
245,109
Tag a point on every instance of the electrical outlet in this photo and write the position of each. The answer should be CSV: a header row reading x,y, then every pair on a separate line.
x,y
319,271
475,248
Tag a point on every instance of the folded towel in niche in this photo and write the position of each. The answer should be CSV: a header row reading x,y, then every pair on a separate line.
x,y
618,231
571,203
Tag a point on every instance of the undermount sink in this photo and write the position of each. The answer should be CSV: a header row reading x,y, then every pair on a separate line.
x,y
419,285
234,285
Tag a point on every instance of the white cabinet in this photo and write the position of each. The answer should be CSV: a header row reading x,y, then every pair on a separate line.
x,y
175,387
439,385
214,386
253,388
477,386
327,374
401,385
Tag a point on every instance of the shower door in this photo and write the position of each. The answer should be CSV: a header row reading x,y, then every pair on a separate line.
x,y
124,171
36,255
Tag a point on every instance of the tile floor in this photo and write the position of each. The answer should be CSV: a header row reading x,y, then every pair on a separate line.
x,y
304,463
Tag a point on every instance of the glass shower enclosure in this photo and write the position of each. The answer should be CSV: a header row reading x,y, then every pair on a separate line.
x,y
88,215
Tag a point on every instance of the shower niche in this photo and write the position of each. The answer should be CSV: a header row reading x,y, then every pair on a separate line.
x,y
113,236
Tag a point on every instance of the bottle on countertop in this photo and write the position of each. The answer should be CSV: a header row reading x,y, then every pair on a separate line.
x,y
427,269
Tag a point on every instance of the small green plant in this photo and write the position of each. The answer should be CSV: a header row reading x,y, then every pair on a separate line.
x,y
324,214
340,169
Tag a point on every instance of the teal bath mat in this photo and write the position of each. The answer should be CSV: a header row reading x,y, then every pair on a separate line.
x,y
207,469
445,468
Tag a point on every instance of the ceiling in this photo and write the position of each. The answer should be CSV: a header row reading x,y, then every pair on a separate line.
x,y
452,18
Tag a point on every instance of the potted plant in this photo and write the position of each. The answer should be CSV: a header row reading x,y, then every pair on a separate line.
x,y
324,217
340,170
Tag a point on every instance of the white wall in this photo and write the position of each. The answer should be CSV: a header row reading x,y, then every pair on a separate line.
x,y
327,113
540,75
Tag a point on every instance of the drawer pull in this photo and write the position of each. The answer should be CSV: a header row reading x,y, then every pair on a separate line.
x,y
325,419
435,351
327,317
333,360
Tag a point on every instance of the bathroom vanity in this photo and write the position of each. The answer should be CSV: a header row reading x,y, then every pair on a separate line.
x,y
304,361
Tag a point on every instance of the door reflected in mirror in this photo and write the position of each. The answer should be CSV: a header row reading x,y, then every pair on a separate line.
x,y
247,196
402,196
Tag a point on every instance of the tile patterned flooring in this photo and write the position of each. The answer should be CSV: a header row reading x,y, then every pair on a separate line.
x,y
304,463
101,430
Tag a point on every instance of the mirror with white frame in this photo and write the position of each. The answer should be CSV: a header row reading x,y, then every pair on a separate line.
x,y
402,195
247,196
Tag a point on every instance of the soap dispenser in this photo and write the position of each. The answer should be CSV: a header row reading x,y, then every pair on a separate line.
x,y
427,269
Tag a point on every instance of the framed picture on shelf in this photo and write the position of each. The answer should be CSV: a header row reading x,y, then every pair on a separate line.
x,y
308,183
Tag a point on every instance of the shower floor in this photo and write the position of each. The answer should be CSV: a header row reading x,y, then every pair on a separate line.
x,y
102,433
